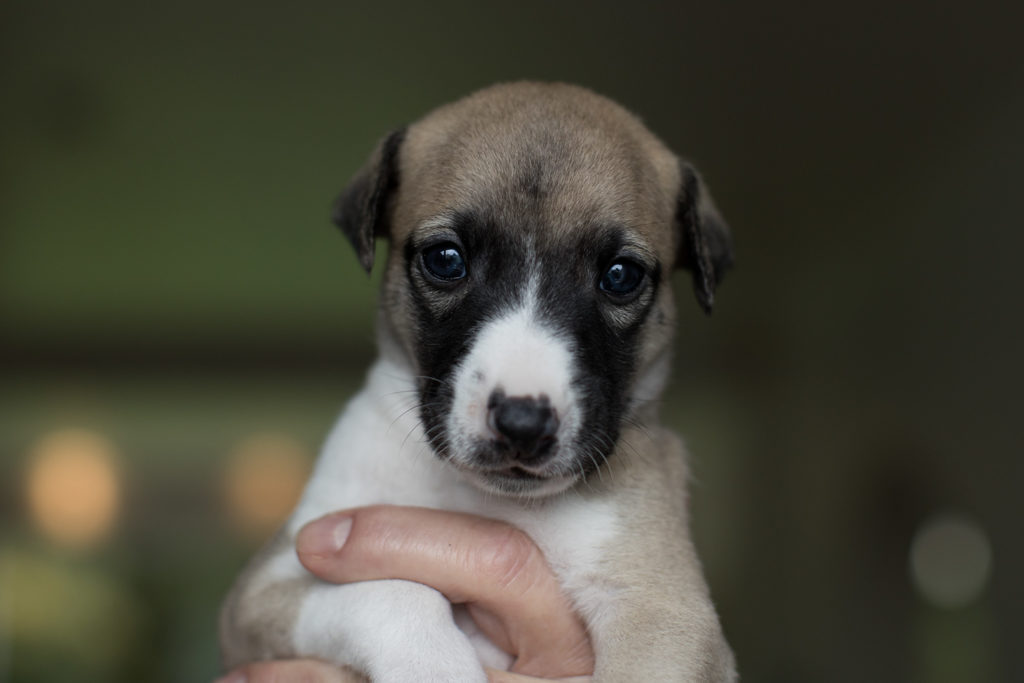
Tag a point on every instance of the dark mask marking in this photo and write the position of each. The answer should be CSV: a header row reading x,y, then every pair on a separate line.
x,y
499,267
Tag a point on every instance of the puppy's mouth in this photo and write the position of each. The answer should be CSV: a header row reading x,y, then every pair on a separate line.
x,y
517,472
516,479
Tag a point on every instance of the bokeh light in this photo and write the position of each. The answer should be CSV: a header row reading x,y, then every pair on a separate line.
x,y
67,614
263,479
950,560
73,487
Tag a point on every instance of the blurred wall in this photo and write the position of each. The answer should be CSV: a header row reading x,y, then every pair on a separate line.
x,y
179,323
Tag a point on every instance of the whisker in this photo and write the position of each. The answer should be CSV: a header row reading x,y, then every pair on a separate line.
x,y
428,434
589,452
400,391
640,427
404,413
609,447
582,476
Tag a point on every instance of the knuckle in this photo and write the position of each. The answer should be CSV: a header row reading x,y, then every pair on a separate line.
x,y
507,556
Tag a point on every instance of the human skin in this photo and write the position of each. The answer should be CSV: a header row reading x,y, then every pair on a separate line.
x,y
490,566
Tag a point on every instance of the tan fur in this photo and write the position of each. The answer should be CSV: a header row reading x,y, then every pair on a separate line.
x,y
670,607
250,628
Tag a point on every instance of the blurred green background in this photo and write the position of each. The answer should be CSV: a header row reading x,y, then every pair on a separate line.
x,y
179,322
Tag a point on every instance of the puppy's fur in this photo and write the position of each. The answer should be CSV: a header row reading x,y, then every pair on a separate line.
x,y
507,214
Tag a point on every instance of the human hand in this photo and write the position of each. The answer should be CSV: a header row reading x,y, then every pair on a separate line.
x,y
492,567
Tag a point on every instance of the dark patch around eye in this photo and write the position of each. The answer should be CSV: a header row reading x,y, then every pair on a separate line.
x,y
448,314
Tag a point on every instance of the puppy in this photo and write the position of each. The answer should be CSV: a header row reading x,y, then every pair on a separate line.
x,y
526,303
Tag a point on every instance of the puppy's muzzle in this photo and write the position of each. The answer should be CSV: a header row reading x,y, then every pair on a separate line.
x,y
524,425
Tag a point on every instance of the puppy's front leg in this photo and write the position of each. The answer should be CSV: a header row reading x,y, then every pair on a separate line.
x,y
393,631
644,638
645,601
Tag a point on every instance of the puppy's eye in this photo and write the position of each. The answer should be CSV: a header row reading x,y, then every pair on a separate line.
x,y
622,278
445,262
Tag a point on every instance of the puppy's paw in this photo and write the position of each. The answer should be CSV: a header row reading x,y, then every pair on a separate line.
x,y
417,640
438,656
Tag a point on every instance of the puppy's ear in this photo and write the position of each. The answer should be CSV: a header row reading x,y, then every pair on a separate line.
x,y
361,209
705,245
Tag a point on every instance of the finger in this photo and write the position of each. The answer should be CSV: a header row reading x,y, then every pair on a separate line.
x,y
291,671
496,676
469,559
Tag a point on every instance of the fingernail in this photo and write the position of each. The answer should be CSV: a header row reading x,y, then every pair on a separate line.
x,y
323,537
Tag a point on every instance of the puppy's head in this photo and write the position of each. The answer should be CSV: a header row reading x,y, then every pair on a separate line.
x,y
533,230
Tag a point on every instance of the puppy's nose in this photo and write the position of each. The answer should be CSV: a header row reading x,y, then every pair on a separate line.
x,y
525,423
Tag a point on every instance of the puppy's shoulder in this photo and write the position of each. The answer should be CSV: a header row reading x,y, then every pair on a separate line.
x,y
650,459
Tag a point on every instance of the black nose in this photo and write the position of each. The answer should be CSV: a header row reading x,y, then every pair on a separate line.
x,y
525,423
